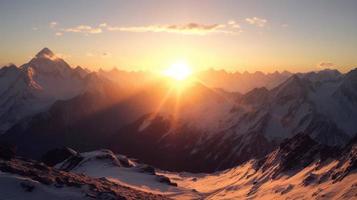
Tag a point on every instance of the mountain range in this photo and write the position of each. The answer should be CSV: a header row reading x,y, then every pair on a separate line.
x,y
93,111
257,127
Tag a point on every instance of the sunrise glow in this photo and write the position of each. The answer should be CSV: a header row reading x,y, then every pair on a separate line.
x,y
179,71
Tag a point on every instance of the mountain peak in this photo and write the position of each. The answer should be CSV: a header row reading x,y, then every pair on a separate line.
x,y
45,52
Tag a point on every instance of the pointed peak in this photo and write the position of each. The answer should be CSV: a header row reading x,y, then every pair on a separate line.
x,y
79,68
45,52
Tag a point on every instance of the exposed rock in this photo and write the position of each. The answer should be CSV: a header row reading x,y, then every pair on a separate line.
x,y
58,155
7,151
28,187
147,169
71,162
164,179
310,179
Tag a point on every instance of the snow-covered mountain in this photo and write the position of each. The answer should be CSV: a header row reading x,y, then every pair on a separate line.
x,y
241,82
207,129
216,79
296,135
36,85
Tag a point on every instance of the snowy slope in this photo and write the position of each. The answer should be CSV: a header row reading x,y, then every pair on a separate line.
x,y
14,187
28,179
103,163
246,183
299,168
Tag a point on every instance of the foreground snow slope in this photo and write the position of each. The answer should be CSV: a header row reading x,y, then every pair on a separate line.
x,y
299,169
119,169
14,187
245,183
28,179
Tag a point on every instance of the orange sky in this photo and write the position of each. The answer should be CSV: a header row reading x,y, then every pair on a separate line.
x,y
137,35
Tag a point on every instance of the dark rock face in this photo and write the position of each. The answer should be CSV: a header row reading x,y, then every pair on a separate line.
x,y
148,169
28,187
56,156
164,179
71,162
296,153
7,151
124,161
347,161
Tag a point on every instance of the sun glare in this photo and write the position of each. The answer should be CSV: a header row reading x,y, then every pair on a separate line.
x,y
178,71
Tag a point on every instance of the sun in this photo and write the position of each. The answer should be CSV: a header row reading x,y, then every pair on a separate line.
x,y
179,71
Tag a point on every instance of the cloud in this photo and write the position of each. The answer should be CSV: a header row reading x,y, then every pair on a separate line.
x,y
233,24
259,22
53,24
188,29
230,27
34,28
325,65
102,25
285,25
83,29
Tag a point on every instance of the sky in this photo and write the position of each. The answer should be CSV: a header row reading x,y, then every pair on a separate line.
x,y
235,35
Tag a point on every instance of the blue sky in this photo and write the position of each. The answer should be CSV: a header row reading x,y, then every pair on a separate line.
x,y
148,35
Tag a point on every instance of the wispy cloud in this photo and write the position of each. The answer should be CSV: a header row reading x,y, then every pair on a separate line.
x,y
187,29
102,25
83,29
53,24
233,24
231,27
260,22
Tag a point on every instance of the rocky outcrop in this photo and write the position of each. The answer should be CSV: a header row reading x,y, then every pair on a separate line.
x,y
57,155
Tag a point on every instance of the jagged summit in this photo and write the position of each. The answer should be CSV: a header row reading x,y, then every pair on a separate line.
x,y
47,62
45,52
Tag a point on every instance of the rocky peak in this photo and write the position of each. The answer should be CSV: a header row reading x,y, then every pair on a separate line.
x,y
45,52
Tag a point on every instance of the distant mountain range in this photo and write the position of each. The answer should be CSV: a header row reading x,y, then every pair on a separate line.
x,y
276,136
218,122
